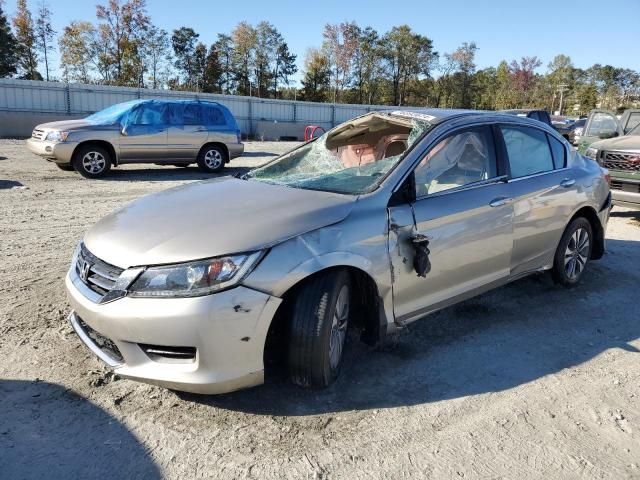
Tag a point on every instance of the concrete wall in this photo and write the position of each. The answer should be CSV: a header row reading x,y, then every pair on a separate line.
x,y
26,103
20,124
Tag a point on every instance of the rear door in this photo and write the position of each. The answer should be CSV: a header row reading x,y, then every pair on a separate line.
x,y
187,132
462,208
543,193
600,124
145,134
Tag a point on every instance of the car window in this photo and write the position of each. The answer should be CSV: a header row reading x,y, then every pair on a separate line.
x,y
632,122
558,152
528,151
150,114
192,114
213,115
601,122
176,114
460,159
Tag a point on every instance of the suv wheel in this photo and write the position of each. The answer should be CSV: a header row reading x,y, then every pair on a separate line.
x,y
573,253
320,317
92,161
212,159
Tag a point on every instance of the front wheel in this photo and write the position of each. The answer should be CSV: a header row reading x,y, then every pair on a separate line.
x,y
92,161
212,159
320,317
573,253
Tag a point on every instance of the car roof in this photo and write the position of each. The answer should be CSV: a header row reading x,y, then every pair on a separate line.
x,y
433,115
516,111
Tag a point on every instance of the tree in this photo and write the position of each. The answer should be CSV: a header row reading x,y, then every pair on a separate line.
x,y
77,55
523,78
199,66
26,40
339,45
244,41
367,65
212,72
45,34
285,66
224,49
408,56
316,80
266,46
183,41
8,47
123,30
156,55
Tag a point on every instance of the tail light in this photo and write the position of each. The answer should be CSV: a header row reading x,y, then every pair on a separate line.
x,y
238,136
607,176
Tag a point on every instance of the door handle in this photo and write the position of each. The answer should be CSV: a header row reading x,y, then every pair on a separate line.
x,y
500,201
567,182
201,129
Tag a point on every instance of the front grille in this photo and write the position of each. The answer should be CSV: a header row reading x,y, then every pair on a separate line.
x,y
103,343
38,134
99,276
621,161
160,353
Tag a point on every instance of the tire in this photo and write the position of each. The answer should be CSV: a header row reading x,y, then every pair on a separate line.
x,y
67,167
212,158
92,161
319,320
573,253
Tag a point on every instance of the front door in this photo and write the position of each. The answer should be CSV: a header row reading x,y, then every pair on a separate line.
x,y
144,137
462,207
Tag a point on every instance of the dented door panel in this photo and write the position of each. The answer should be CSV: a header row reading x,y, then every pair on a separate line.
x,y
470,245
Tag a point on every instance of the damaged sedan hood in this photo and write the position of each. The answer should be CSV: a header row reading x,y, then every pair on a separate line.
x,y
209,219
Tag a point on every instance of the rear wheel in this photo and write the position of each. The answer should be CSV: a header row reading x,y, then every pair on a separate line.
x,y
92,161
320,318
573,253
212,159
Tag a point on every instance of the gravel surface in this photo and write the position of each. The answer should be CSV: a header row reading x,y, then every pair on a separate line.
x,y
528,381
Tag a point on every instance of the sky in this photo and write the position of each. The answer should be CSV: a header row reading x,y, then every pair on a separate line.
x,y
503,30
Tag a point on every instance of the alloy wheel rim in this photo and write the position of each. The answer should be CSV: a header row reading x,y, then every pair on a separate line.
x,y
577,253
339,327
93,162
213,159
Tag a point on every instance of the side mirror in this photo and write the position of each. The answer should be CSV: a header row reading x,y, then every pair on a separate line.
x,y
605,135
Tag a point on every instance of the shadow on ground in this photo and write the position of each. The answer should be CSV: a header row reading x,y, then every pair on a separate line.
x,y
55,433
8,184
497,341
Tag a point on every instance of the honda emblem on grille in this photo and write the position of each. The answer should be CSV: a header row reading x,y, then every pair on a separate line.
x,y
84,270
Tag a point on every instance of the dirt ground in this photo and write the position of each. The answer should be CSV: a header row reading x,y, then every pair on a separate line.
x,y
529,381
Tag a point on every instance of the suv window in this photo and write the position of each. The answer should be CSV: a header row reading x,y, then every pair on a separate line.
x,y
558,152
601,123
634,120
460,159
192,114
213,115
150,114
528,151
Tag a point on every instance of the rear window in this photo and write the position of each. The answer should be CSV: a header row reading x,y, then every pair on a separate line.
x,y
213,115
192,114
558,152
528,151
634,120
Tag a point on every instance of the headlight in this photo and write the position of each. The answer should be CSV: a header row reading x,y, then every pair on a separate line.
x,y
194,279
591,153
57,136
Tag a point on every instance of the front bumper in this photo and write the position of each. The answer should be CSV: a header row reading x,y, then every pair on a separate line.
x,y
227,329
60,152
625,199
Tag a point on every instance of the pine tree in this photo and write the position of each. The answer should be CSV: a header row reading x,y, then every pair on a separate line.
x,y
26,38
8,46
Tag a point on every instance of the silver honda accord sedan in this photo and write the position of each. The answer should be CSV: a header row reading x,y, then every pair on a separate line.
x,y
379,222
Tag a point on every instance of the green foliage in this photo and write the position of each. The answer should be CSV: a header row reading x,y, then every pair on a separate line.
x,y
8,48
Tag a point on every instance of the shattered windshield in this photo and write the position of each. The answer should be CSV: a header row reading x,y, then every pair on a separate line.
x,y
112,114
353,158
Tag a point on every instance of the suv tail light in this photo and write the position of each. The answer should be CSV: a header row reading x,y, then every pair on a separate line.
x,y
239,136
607,176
